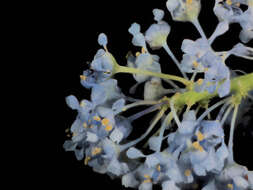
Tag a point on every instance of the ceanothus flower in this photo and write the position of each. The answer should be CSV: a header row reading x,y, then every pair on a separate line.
x,y
145,61
184,10
153,89
203,154
233,176
156,35
178,140
103,158
217,75
105,92
102,67
230,12
138,37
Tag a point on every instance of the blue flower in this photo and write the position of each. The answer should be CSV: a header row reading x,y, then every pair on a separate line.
x,y
138,37
217,75
230,12
103,158
183,10
106,92
232,177
145,61
156,35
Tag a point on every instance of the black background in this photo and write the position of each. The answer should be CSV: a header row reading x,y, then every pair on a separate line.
x,y
77,27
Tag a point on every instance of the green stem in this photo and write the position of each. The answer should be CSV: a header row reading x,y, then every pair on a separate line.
x,y
123,69
240,85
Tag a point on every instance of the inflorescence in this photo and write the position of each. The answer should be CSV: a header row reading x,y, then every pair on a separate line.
x,y
196,149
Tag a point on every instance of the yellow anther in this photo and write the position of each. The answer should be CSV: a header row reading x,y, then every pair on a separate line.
x,y
108,127
74,134
82,77
200,81
137,54
195,64
200,136
146,176
187,172
197,146
96,151
96,118
85,125
206,69
188,1
148,179
237,4
230,186
229,2
143,50
82,104
86,160
105,121
158,168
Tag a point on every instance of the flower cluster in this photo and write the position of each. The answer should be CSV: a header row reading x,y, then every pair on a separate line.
x,y
196,149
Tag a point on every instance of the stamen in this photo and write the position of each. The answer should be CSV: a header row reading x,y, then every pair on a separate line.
x,y
230,186
82,77
96,151
86,160
105,121
85,125
188,2
158,168
96,118
82,104
143,50
148,179
229,2
195,64
108,127
187,172
137,54
200,136
197,146
200,81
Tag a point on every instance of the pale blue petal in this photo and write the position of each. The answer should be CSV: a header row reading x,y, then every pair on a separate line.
x,y
152,160
72,102
241,182
241,50
91,137
154,143
158,14
169,185
129,180
98,95
114,167
134,29
102,39
145,186
69,145
116,135
118,105
134,153
199,170
246,36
